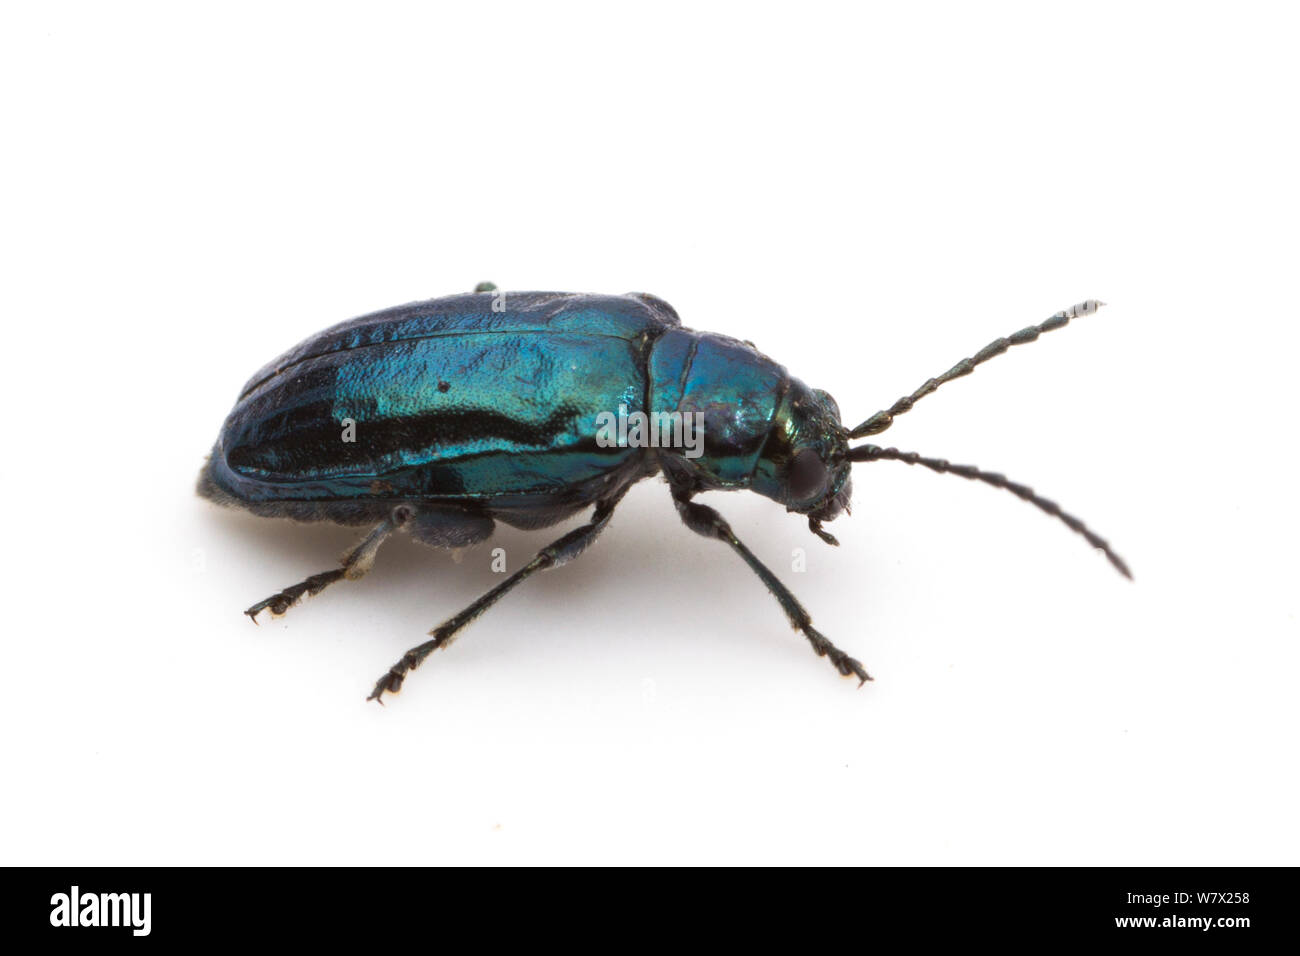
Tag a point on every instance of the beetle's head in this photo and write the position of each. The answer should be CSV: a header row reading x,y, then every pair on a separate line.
x,y
805,464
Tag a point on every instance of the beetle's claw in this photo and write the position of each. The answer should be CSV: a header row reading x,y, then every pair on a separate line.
x,y
847,666
390,683
850,666
277,604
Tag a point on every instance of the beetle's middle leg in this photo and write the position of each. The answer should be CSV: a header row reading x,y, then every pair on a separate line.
x,y
706,521
558,552
355,564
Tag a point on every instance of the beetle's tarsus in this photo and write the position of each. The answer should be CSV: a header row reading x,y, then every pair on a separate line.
x,y
280,603
390,683
859,671
852,667
411,660
442,636
277,604
354,566
847,666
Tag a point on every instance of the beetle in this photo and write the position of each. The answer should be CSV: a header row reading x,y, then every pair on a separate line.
x,y
440,418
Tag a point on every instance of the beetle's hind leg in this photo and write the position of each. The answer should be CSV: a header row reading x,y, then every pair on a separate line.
x,y
704,520
558,552
355,564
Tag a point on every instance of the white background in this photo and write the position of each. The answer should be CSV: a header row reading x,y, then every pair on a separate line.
x,y
869,192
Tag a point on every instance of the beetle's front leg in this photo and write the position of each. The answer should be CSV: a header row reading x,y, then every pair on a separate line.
x,y
704,520
555,554
355,564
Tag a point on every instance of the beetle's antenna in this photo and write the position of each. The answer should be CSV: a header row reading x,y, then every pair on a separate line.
x,y
876,453
878,422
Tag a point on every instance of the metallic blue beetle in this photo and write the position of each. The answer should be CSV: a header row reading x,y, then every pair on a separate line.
x,y
440,418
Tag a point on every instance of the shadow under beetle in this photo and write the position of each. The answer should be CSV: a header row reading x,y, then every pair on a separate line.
x,y
477,408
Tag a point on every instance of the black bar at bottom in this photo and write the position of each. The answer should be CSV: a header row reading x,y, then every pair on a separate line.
x,y
390,907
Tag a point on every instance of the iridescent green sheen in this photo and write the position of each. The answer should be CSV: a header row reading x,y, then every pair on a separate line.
x,y
490,401
730,384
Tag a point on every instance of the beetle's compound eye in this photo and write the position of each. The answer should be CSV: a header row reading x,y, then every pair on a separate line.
x,y
829,402
807,474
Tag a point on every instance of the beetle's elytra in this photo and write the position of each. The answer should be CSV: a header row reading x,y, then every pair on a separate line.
x,y
441,418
